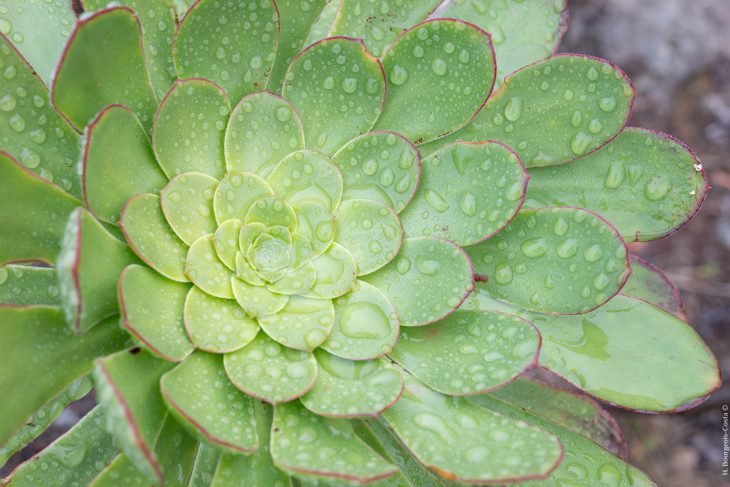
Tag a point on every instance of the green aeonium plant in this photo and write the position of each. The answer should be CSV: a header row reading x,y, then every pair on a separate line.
x,y
294,243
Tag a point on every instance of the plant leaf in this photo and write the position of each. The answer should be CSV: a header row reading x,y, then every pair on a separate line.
x,y
187,202
379,24
335,105
468,192
39,31
570,410
217,325
297,434
206,461
206,271
252,26
24,285
553,260
263,129
36,340
455,72
256,468
86,81
74,458
236,193
176,453
189,128
158,29
521,34
346,388
646,183
462,441
307,176
371,232
30,128
303,324
469,352
257,300
316,224
296,19
33,214
554,110
89,265
366,325
381,166
128,388
201,397
336,273
117,149
648,283
152,311
270,372
584,463
418,284
597,351
151,238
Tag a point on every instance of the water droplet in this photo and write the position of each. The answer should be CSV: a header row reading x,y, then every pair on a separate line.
x,y
398,75
580,143
364,320
468,204
436,200
568,248
503,274
615,175
534,247
513,109
658,188
439,66
434,424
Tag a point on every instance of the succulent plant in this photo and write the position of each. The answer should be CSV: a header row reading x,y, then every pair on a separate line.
x,y
294,243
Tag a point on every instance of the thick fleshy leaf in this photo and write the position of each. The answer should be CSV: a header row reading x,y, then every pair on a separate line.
x,y
257,300
449,63
267,371
303,442
428,280
225,241
152,311
236,193
324,23
347,389
38,30
37,343
271,211
648,283
554,110
522,34
338,89
257,468
370,231
200,395
117,149
303,324
366,325
30,128
24,285
462,441
33,214
151,238
217,325
263,129
598,351
157,19
86,81
316,224
187,202
174,450
380,166
89,265
378,23
296,19
307,176
76,457
206,462
128,389
42,419
647,184
241,65
469,352
189,128
584,462
206,271
553,260
571,410
468,192
336,273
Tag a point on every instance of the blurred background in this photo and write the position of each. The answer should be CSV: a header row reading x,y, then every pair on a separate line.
x,y
677,53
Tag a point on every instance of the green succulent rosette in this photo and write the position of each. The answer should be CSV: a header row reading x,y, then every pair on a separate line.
x,y
321,242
